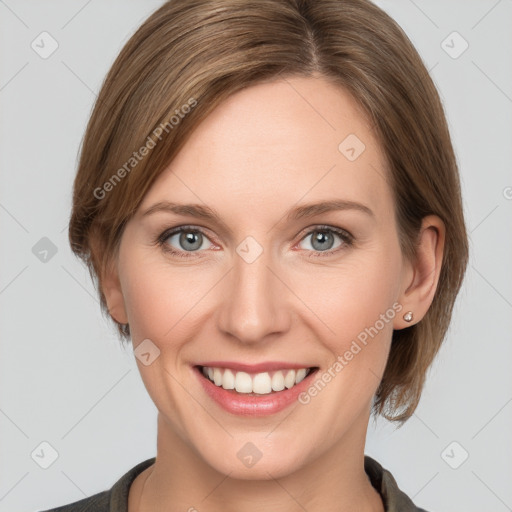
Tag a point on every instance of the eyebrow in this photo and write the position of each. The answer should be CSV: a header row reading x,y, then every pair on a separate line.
x,y
300,212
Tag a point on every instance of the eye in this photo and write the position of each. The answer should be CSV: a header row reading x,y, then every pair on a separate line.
x,y
183,240
323,239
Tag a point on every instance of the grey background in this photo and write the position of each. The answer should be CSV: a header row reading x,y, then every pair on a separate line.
x,y
64,378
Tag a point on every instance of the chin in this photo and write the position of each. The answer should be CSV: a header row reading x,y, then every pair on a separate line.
x,y
256,456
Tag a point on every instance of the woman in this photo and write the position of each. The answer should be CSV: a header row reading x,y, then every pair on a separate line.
x,y
258,132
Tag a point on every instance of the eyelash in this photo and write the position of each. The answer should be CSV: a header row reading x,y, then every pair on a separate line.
x,y
345,236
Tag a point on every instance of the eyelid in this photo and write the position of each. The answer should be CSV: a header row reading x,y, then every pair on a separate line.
x,y
326,227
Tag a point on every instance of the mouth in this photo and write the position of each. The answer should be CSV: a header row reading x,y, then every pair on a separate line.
x,y
259,390
254,384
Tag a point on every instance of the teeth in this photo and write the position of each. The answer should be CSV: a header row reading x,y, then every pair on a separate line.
x,y
301,374
278,381
260,383
217,377
243,382
228,380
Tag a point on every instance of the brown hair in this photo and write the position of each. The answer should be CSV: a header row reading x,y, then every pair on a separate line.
x,y
190,55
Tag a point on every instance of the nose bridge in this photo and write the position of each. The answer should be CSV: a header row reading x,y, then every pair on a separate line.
x,y
254,304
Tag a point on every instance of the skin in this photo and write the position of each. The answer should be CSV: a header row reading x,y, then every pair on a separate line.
x,y
262,152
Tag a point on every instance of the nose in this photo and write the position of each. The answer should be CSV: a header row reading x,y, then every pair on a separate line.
x,y
256,301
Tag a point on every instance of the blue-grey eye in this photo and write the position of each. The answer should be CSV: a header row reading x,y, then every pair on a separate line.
x,y
188,240
322,240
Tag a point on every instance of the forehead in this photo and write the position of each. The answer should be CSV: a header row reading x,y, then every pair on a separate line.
x,y
272,145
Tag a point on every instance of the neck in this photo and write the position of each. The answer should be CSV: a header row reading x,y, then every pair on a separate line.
x,y
181,480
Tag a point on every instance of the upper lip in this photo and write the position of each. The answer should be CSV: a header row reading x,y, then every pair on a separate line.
x,y
255,368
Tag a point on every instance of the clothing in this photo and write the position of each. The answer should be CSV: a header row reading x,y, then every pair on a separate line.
x,y
116,499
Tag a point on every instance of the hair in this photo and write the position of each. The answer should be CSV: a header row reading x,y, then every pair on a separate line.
x,y
190,55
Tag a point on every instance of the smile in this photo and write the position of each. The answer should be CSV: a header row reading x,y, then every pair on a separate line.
x,y
259,383
254,390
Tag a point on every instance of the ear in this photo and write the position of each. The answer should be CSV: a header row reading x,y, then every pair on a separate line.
x,y
421,276
110,285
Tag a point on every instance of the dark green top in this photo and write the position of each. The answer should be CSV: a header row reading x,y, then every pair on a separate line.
x,y
116,499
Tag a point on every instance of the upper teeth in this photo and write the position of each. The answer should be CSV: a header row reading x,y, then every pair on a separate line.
x,y
260,383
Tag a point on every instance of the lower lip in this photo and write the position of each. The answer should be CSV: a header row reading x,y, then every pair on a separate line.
x,y
252,405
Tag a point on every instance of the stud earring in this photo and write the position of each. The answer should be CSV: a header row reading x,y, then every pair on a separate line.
x,y
408,316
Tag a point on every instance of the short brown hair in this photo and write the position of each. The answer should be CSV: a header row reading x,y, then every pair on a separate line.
x,y
199,52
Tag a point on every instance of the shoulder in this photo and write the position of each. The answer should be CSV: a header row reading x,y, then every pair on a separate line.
x,y
98,503
393,498
111,500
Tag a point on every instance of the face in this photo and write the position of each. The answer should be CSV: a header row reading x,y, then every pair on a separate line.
x,y
266,288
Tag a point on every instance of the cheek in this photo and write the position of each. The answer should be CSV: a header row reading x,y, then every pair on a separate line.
x,y
351,297
149,310
356,305
161,296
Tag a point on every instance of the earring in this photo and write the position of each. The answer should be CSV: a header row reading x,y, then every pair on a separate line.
x,y
408,316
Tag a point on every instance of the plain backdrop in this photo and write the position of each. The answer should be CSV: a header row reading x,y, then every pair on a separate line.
x,y
66,382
